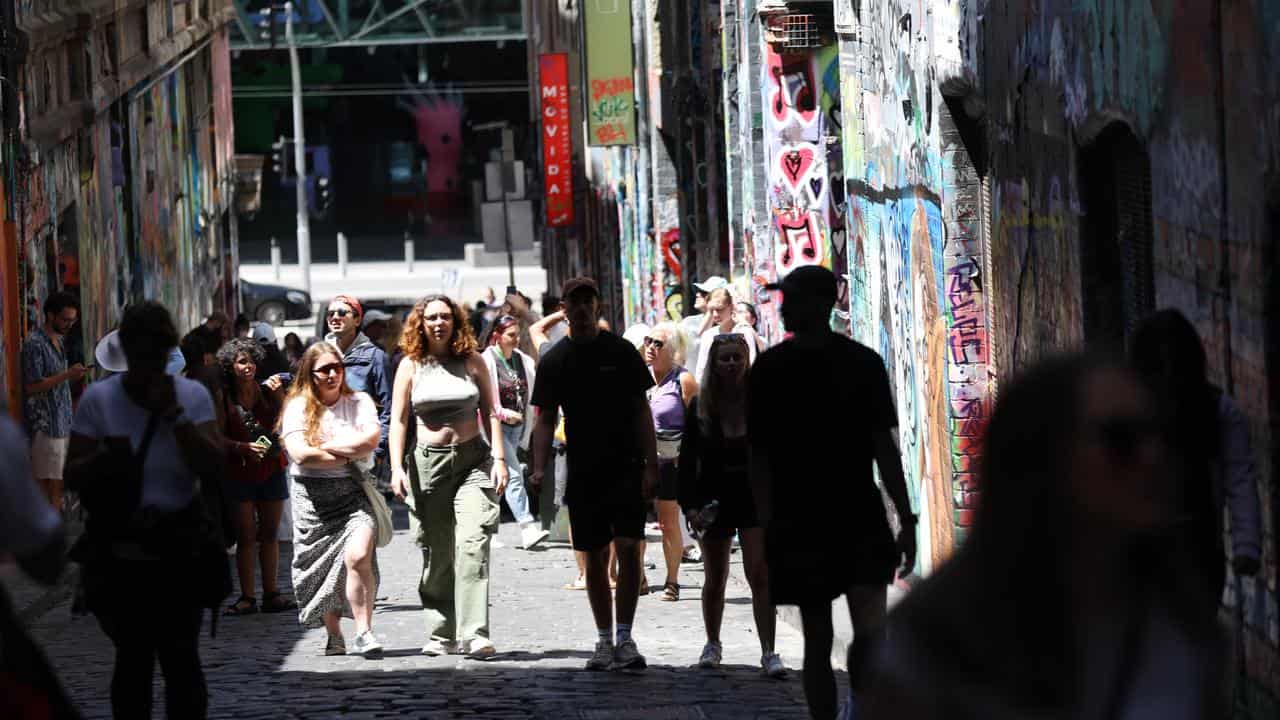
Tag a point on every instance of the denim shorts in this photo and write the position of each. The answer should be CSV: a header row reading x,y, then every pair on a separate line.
x,y
274,488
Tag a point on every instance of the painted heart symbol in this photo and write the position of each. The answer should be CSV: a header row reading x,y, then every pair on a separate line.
x,y
795,164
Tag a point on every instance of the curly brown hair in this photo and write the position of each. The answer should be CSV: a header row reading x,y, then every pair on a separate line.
x,y
414,340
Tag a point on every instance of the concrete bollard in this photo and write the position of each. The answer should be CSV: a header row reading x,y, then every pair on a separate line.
x,y
408,251
275,258
342,254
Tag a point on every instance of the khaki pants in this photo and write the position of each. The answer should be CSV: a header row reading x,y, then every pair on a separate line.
x,y
456,510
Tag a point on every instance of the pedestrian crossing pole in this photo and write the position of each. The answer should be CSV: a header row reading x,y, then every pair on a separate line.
x,y
299,155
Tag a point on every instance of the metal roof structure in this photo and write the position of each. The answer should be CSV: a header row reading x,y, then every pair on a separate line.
x,y
365,23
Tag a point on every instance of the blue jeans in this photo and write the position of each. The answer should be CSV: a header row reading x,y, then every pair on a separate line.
x,y
517,498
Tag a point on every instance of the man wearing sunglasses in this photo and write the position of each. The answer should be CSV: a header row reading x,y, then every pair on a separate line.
x,y
368,370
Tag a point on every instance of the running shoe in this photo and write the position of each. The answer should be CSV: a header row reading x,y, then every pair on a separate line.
x,y
367,645
602,658
436,648
712,654
481,648
772,666
531,535
335,645
627,657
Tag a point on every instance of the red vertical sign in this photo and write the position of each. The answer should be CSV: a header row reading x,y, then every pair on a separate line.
x,y
557,147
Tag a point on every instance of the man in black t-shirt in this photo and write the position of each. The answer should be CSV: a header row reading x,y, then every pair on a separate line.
x,y
826,530
600,380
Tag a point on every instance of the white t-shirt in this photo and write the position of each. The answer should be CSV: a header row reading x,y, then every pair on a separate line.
x,y
106,411
704,348
352,413
27,521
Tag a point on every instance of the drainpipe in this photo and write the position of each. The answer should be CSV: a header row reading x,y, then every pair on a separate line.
x,y
1224,224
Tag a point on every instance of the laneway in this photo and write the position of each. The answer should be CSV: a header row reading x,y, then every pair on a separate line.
x,y
265,666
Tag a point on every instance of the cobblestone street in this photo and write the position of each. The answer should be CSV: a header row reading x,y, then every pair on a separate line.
x,y
266,666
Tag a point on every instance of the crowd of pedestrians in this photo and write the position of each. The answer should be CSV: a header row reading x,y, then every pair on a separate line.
x,y
222,436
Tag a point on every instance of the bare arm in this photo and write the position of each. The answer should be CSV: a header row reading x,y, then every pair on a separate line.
x,y
889,460
311,457
400,395
488,402
538,332
354,444
544,431
688,387
47,384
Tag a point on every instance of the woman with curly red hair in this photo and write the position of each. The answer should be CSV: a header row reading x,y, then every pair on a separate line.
x,y
453,477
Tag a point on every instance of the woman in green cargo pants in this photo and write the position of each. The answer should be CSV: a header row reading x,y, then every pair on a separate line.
x,y
452,477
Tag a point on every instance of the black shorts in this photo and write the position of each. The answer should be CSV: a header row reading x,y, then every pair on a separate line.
x,y
668,483
595,521
274,488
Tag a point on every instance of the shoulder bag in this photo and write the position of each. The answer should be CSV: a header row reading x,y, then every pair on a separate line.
x,y
381,511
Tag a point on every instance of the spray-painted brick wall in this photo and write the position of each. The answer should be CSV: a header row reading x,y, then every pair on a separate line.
x,y
1196,85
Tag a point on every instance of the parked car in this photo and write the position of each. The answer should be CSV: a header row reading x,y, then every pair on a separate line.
x,y
274,303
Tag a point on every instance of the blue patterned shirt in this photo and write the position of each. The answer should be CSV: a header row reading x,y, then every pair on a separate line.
x,y
48,412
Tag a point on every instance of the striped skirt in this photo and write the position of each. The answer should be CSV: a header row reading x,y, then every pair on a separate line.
x,y
326,512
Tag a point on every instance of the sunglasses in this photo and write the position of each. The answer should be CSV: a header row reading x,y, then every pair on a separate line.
x,y
329,370
1120,437
657,344
340,313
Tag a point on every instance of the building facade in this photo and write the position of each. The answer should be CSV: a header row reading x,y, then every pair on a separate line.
x,y
119,176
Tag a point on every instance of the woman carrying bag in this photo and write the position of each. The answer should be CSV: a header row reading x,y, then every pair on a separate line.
x,y
328,429
511,373
137,440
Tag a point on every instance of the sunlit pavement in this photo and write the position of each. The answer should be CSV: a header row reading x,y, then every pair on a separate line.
x,y
265,666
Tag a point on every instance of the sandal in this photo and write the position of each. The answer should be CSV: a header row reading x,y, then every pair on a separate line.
x,y
579,584
246,605
274,602
671,592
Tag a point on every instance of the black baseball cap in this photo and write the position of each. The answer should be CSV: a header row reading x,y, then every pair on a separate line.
x,y
811,281
577,284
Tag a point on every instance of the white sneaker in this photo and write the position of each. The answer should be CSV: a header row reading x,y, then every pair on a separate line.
x,y
335,645
481,648
531,535
712,654
692,554
367,645
602,658
772,666
627,657
436,648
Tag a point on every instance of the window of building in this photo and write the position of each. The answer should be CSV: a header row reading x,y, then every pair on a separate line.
x,y
1117,286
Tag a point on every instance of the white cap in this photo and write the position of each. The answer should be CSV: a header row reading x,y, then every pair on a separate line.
x,y
715,282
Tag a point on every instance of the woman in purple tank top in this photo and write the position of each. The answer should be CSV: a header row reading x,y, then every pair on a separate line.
x,y
669,399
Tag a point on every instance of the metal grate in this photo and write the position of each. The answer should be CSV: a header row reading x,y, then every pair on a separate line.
x,y
798,32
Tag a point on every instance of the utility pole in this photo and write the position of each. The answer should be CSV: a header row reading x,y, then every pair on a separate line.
x,y
299,155
508,186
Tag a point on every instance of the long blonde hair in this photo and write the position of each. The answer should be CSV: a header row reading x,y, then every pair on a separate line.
x,y
711,388
304,386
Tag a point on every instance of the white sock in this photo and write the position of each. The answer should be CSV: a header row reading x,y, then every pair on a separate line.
x,y
624,632
603,635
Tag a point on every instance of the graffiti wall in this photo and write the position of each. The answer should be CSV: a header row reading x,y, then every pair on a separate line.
x,y
895,256
1195,84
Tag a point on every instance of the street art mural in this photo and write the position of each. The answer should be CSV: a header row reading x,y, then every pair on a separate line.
x,y
179,262
796,161
437,116
894,249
